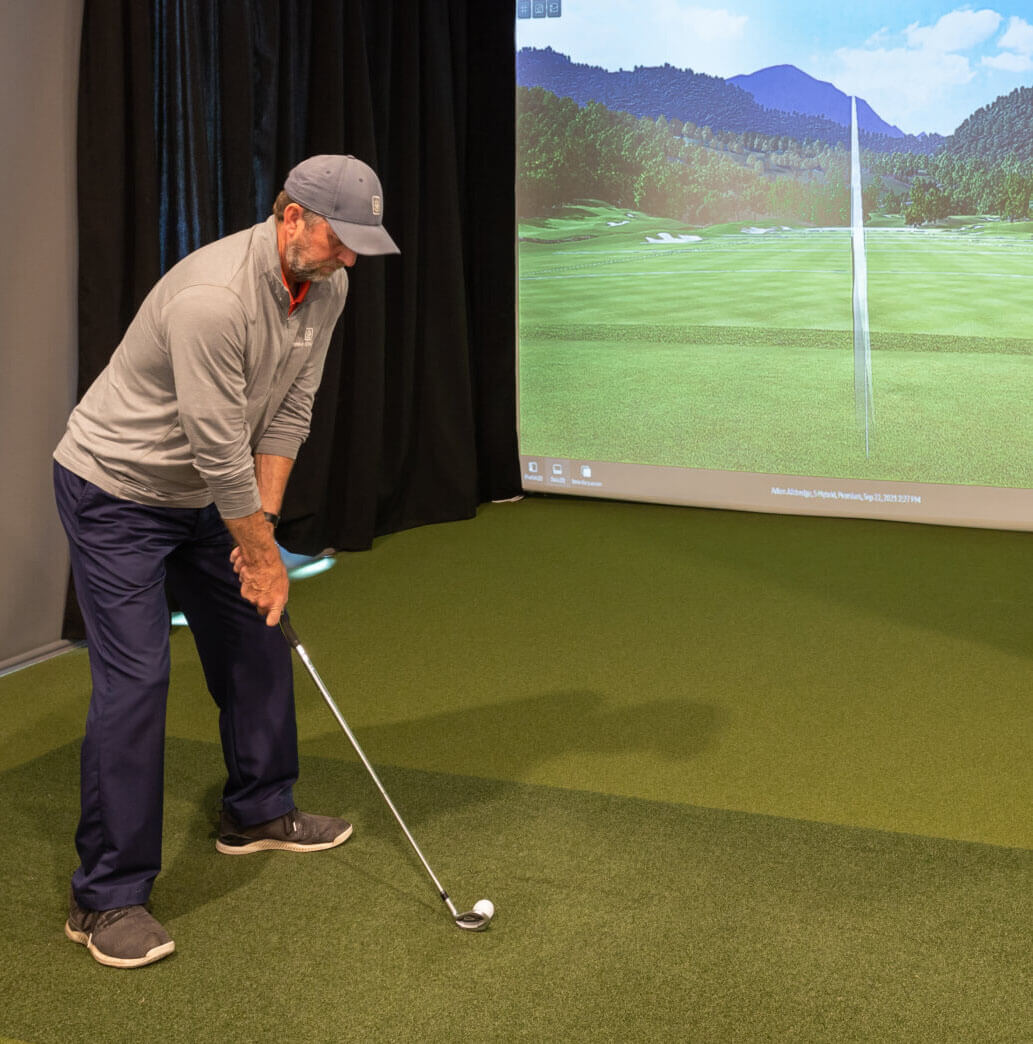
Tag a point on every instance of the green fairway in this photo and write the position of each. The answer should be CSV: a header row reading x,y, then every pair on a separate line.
x,y
731,347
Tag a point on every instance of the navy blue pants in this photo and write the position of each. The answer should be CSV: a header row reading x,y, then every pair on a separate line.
x,y
123,554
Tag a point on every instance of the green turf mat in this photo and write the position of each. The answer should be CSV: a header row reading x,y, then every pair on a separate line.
x,y
618,920
837,670
687,753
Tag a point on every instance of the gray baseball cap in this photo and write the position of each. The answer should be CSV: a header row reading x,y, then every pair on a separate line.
x,y
346,192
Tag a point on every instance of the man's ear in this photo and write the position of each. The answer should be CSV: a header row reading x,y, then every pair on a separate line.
x,y
293,215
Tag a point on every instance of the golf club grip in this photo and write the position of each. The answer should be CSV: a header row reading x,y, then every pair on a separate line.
x,y
288,631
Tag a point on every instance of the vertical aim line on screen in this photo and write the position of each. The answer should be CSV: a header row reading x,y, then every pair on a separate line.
x,y
864,408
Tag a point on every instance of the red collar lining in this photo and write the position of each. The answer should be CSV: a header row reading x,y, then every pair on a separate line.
x,y
297,298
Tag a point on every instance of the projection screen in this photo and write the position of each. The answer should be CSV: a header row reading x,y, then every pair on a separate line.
x,y
778,257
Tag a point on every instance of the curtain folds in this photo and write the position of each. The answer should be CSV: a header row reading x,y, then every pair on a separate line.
x,y
191,112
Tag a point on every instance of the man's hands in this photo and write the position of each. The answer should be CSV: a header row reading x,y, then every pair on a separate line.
x,y
256,558
256,561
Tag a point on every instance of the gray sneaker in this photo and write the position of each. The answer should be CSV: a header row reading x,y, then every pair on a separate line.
x,y
294,832
128,937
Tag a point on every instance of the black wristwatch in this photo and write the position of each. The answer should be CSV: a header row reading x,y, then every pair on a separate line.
x,y
273,519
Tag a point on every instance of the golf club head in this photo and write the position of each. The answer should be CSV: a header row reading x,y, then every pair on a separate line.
x,y
474,920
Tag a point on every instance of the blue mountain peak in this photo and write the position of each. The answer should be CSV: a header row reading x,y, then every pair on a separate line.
x,y
789,89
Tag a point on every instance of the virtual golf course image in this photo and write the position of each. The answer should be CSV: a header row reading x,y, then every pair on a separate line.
x,y
730,346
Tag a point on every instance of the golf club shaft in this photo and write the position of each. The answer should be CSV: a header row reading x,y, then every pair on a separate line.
x,y
291,635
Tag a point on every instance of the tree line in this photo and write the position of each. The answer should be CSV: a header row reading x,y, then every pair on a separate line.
x,y
704,176
952,182
567,151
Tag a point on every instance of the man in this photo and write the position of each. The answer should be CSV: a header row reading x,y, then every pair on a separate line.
x,y
173,469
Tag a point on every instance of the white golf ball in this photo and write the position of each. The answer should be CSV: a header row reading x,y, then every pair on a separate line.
x,y
484,907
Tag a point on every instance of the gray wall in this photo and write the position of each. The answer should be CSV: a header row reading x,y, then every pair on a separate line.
x,y
39,65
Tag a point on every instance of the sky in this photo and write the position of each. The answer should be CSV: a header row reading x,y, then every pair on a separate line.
x,y
924,67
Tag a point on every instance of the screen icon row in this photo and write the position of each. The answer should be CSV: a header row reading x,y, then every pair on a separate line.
x,y
539,8
550,472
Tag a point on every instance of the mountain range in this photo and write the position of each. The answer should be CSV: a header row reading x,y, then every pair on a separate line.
x,y
777,101
789,89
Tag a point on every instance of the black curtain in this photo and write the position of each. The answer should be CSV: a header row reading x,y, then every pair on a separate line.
x,y
191,112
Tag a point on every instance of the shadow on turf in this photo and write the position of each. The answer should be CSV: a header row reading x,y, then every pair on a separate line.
x,y
499,740
40,799
40,802
508,739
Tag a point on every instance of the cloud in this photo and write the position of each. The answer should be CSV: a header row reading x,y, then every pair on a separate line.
x,y
878,38
901,80
1017,44
914,74
1017,37
703,23
646,32
700,25
1009,62
955,31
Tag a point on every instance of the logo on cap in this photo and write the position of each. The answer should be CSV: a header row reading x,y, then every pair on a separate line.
x,y
378,206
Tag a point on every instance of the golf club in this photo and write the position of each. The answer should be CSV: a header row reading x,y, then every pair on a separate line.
x,y
475,920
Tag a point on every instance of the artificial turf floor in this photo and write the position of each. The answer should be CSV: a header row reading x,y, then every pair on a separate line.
x,y
726,778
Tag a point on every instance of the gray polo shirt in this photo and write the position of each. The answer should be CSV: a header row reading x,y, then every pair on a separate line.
x,y
211,371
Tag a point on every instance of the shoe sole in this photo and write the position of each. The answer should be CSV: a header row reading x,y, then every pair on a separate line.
x,y
86,939
269,845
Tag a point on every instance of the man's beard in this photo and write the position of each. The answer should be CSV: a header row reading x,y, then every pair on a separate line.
x,y
305,271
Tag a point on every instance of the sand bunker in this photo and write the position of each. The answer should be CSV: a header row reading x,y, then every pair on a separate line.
x,y
666,239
